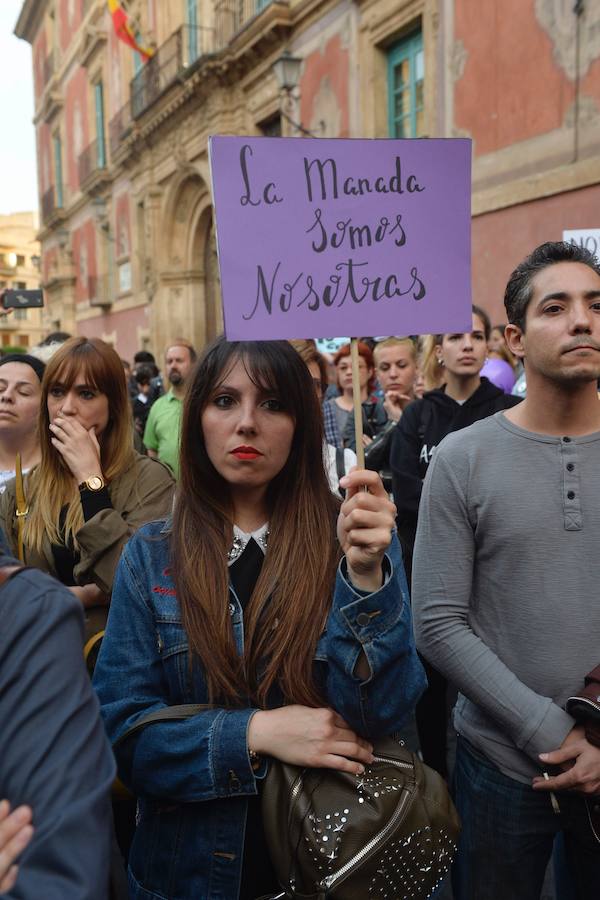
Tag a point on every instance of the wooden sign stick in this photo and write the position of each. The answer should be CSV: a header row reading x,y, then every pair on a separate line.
x,y
358,419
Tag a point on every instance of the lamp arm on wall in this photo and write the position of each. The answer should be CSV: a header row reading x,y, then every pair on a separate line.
x,y
299,127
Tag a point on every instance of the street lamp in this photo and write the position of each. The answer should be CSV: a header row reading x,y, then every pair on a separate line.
x,y
287,72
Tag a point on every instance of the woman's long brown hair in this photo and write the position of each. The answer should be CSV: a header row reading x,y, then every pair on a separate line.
x,y
51,485
288,607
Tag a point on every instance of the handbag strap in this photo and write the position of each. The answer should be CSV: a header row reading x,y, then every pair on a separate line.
x,y
166,714
22,508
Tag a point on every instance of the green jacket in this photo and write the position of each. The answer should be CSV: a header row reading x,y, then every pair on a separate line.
x,y
143,492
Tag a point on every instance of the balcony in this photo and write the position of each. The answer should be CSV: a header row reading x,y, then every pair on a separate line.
x,y
99,291
170,61
52,211
232,15
92,166
119,128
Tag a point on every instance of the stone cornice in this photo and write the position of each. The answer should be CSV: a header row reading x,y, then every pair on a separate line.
x,y
536,187
29,20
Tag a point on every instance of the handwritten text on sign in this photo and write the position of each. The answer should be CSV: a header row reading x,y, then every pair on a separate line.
x,y
321,237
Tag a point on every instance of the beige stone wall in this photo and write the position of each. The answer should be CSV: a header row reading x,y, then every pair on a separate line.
x,y
19,266
532,142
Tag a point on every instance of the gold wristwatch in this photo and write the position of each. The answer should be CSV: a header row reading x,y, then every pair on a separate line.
x,y
93,483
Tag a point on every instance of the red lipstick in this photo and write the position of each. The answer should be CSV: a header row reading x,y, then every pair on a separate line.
x,y
246,452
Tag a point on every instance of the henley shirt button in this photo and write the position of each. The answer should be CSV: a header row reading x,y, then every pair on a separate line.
x,y
363,619
570,467
571,495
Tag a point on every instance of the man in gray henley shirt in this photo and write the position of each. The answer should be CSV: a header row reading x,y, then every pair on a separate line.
x,y
505,590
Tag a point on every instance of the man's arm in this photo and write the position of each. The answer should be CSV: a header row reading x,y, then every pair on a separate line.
x,y
442,583
150,436
54,756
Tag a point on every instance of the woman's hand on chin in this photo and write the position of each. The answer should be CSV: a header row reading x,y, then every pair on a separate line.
x,y
304,736
365,525
78,447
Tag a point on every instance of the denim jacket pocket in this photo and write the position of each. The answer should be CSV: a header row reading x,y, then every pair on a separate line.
x,y
162,830
174,652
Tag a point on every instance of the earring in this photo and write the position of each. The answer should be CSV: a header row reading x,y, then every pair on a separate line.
x,y
440,360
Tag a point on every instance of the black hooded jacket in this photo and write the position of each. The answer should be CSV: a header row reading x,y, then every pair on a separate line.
x,y
424,423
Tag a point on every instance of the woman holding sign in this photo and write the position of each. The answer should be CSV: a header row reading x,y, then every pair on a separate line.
x,y
258,598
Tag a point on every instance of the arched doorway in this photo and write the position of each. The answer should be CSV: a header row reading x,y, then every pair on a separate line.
x,y
204,254
189,303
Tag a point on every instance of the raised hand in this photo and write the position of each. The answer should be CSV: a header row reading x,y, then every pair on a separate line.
x,y
78,447
395,403
365,525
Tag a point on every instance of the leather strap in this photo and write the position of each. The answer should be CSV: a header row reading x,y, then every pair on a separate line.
x,y
166,714
22,508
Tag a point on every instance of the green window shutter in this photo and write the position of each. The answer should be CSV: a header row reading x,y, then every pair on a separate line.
x,y
58,176
192,22
100,137
406,78
138,62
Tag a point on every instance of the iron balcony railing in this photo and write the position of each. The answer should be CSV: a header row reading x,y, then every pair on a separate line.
x,y
119,127
178,53
49,204
92,159
232,15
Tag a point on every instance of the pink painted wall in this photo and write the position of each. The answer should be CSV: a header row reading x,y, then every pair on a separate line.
x,y
84,260
125,324
512,88
122,225
333,63
77,133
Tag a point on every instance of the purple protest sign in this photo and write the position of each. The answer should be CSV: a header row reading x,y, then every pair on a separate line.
x,y
322,237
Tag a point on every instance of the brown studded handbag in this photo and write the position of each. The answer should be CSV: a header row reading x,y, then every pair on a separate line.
x,y
388,834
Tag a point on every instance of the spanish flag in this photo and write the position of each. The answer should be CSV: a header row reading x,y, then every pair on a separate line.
x,y
124,31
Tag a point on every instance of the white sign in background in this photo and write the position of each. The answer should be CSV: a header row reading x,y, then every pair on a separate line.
x,y
585,237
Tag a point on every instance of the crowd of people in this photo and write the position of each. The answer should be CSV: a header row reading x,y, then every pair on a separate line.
x,y
203,535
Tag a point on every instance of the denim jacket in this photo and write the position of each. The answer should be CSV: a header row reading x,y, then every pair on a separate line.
x,y
192,778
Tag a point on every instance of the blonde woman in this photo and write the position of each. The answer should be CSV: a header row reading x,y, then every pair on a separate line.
x,y
91,490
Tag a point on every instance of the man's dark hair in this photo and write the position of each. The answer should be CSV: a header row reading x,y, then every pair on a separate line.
x,y
144,356
55,337
145,373
519,289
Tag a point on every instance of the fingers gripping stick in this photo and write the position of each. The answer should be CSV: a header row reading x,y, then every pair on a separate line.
x,y
358,420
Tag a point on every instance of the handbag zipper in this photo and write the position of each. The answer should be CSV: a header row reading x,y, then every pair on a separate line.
x,y
331,880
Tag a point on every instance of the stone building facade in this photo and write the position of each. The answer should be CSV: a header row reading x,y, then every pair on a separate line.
x,y
20,269
127,234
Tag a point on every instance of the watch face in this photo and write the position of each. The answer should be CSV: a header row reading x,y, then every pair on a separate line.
x,y
95,483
